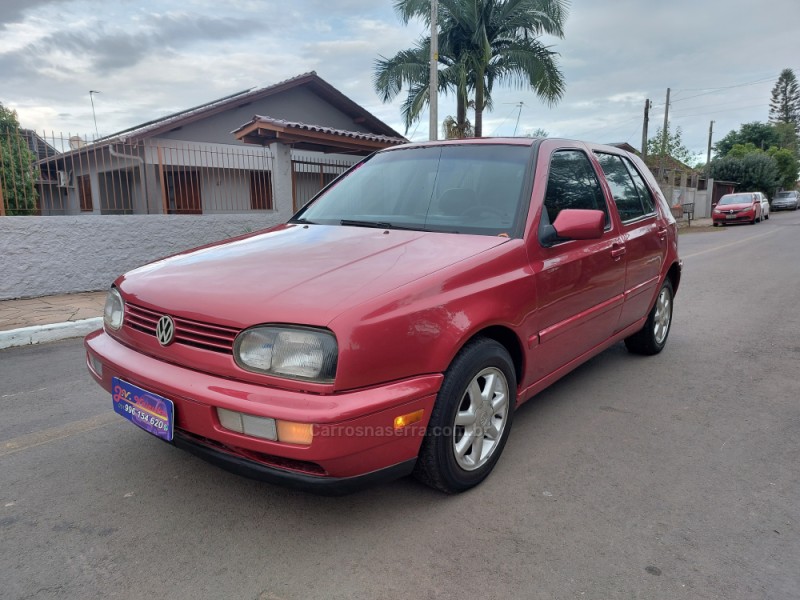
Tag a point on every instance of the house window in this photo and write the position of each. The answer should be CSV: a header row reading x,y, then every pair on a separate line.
x,y
183,190
260,190
85,193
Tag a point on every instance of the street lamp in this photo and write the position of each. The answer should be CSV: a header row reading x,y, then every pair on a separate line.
x,y
91,99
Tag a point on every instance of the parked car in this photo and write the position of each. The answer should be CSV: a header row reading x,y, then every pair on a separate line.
x,y
762,198
396,322
786,200
743,207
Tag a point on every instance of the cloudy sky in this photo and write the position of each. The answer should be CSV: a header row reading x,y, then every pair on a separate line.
x,y
150,58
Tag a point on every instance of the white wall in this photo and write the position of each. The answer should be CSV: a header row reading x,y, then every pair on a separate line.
x,y
41,256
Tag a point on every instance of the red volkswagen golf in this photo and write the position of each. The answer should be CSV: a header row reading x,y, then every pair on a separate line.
x,y
395,323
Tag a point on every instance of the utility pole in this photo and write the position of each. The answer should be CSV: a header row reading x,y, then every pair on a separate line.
x,y
663,158
433,86
647,106
666,125
91,99
708,152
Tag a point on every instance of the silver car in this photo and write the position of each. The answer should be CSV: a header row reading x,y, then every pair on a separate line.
x,y
786,200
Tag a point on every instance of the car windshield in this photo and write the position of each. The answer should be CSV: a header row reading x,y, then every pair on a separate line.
x,y
785,195
737,199
456,189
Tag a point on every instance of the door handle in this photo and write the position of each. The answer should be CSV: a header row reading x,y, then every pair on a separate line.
x,y
662,233
617,251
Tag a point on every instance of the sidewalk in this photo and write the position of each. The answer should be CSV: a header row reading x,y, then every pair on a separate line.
x,y
49,318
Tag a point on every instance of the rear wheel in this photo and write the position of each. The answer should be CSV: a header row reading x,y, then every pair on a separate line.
x,y
652,338
471,419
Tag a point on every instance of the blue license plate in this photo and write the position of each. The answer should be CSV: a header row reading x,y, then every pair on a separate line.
x,y
151,412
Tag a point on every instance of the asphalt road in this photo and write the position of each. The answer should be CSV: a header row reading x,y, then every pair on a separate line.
x,y
669,477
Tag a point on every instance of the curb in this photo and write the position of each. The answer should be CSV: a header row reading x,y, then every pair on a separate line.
x,y
39,334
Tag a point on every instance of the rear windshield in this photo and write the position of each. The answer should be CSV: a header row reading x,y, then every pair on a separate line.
x,y
737,199
456,189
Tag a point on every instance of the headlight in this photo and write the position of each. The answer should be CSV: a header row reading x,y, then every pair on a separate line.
x,y
114,311
292,352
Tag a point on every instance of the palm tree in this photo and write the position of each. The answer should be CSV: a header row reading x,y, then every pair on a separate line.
x,y
481,42
409,68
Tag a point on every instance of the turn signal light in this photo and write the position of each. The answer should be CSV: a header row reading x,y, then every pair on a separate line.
x,y
406,420
295,433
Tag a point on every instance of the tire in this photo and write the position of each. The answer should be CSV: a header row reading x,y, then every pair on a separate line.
x,y
453,458
652,338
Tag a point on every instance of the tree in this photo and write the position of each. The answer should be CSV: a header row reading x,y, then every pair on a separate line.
x,y
785,159
761,135
17,176
742,150
788,166
755,172
481,43
784,107
674,147
452,129
787,137
539,132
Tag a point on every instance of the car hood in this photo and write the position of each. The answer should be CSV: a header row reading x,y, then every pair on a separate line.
x,y
734,206
294,273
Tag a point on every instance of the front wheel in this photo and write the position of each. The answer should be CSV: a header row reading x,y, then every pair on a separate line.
x,y
471,419
652,338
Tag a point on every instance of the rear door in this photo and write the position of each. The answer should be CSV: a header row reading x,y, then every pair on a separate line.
x,y
579,282
644,234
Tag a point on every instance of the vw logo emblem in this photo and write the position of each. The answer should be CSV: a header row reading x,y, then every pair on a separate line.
x,y
165,330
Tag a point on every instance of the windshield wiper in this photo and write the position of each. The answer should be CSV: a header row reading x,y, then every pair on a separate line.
x,y
377,225
303,221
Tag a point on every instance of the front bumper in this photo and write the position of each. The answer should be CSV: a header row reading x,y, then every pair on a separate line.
x,y
738,218
354,437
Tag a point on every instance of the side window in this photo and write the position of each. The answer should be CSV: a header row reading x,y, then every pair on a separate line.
x,y
572,183
644,192
626,196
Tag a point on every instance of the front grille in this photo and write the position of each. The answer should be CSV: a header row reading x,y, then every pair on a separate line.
x,y
197,334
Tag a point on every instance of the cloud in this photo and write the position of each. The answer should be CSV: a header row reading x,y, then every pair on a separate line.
x,y
153,57
102,48
14,11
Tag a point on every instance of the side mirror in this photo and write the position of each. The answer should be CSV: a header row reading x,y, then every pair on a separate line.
x,y
575,224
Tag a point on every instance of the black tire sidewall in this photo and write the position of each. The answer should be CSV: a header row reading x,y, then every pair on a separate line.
x,y
476,356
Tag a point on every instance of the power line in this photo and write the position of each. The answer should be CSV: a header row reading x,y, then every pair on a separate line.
x,y
716,104
713,112
725,87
